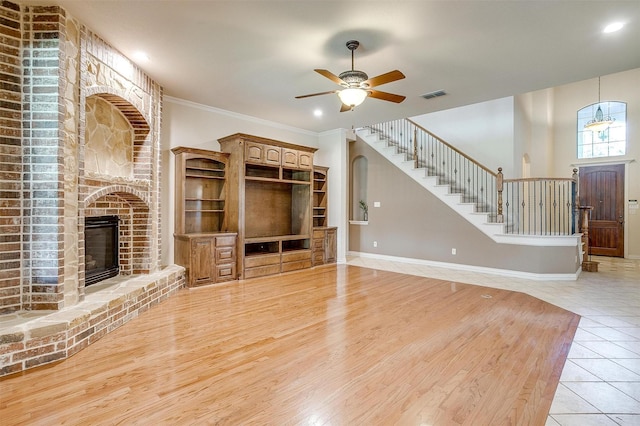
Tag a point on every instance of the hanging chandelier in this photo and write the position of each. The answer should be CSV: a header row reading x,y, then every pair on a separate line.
x,y
600,122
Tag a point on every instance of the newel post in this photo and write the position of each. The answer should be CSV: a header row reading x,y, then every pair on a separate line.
x,y
587,264
575,200
499,185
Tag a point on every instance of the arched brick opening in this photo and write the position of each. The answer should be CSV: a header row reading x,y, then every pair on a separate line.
x,y
135,228
128,198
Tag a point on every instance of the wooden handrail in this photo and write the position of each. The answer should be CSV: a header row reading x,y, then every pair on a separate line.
x,y
462,154
537,179
573,178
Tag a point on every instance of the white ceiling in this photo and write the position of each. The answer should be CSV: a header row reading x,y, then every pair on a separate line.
x,y
254,57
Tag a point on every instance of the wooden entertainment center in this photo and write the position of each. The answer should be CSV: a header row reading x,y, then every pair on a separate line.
x,y
256,208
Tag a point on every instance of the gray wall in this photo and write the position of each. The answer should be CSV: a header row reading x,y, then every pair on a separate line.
x,y
413,223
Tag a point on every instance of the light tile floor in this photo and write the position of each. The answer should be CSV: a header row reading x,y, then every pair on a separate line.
x,y
600,382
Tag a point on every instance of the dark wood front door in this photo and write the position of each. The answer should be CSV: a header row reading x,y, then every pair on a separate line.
x,y
602,187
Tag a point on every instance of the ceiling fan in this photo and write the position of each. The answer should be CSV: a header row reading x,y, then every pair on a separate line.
x,y
357,85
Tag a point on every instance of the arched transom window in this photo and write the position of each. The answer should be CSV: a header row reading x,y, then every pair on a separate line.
x,y
608,140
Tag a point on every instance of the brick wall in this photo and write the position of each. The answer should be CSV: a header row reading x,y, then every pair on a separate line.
x,y
10,157
42,160
49,66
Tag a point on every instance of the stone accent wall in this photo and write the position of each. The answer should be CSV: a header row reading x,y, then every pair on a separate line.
x,y
10,157
69,132
108,148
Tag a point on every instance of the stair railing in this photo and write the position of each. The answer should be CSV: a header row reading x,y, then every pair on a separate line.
x,y
538,206
466,176
532,206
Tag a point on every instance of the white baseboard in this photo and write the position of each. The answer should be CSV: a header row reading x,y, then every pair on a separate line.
x,y
471,268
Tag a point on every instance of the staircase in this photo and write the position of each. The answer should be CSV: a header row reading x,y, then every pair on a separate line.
x,y
467,187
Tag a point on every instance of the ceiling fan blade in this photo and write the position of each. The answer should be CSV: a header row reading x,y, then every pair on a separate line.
x,y
331,76
384,78
344,108
316,94
386,96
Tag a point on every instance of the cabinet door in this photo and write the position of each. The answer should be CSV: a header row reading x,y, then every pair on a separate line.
x,y
289,158
262,154
202,261
305,160
331,245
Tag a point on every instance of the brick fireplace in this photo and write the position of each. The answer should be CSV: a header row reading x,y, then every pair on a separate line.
x,y
79,137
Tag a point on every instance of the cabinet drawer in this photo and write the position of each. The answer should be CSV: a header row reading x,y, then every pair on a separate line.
x,y
318,244
294,266
318,234
296,255
261,271
254,261
226,272
226,241
225,254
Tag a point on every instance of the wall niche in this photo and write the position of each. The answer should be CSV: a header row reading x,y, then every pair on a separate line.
x,y
108,140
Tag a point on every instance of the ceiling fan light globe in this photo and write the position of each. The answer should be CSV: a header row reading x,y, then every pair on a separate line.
x,y
352,97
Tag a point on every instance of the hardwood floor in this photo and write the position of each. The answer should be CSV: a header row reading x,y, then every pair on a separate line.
x,y
338,345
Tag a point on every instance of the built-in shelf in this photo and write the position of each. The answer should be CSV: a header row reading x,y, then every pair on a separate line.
x,y
202,244
324,242
320,196
200,191
204,177
273,197
276,238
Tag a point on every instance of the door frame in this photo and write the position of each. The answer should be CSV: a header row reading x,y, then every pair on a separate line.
x,y
626,192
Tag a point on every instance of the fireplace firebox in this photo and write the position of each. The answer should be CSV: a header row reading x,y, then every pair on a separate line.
x,y
101,248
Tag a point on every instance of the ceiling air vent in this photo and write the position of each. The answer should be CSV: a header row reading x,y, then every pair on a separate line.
x,y
435,94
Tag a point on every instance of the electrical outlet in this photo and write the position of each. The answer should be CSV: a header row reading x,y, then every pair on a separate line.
x,y
376,204
453,251
375,244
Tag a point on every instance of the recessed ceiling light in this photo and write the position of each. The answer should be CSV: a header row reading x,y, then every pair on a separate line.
x,y
613,27
317,113
141,56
